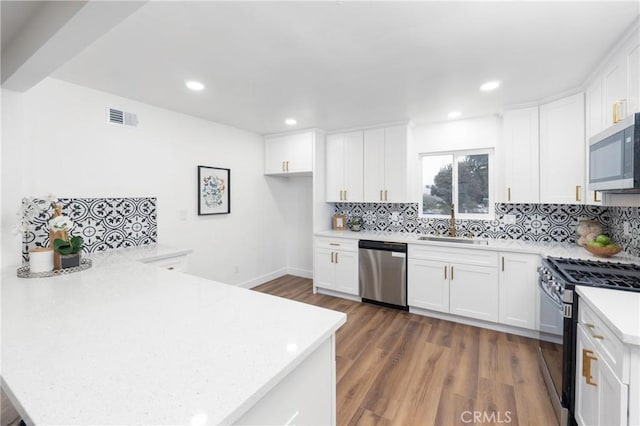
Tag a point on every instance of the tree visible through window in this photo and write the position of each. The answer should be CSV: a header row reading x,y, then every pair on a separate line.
x,y
458,178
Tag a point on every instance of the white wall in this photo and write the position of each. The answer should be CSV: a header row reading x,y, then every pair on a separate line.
x,y
56,139
455,135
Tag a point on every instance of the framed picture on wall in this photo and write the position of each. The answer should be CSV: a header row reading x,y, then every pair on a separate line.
x,y
339,222
214,190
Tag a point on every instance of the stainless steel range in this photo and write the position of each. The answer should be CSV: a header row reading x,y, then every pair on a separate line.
x,y
557,279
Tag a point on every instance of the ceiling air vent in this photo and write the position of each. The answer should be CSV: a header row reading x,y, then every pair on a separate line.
x,y
117,116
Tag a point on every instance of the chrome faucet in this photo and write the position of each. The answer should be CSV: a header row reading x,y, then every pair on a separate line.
x,y
452,223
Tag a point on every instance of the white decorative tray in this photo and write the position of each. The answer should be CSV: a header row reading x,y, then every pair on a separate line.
x,y
24,272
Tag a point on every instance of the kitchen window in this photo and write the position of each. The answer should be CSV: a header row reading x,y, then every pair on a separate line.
x,y
461,178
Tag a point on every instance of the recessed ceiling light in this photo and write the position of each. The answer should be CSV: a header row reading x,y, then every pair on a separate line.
x,y
194,85
490,85
290,121
454,114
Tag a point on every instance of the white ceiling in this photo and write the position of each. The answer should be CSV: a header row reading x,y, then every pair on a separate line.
x,y
335,65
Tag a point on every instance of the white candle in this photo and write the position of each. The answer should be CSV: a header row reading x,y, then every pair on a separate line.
x,y
41,259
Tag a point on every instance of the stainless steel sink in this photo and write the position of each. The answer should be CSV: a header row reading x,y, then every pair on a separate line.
x,y
460,240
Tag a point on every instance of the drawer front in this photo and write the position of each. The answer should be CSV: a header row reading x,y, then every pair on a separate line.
x,y
454,254
177,263
607,344
337,244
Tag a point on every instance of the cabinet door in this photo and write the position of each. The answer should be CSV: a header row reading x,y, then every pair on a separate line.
x,y
474,291
335,165
633,69
562,151
614,85
346,268
374,167
324,268
396,182
612,395
300,153
594,120
428,284
276,152
586,397
353,166
518,281
520,156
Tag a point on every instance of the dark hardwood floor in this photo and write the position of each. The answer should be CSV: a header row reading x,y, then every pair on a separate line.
x,y
397,368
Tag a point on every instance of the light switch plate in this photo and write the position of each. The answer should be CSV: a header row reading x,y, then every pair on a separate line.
x,y
509,219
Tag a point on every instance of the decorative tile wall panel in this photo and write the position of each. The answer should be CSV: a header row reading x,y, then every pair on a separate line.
x,y
534,222
619,215
103,223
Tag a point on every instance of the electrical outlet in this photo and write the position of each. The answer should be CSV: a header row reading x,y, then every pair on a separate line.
x,y
395,216
509,219
625,229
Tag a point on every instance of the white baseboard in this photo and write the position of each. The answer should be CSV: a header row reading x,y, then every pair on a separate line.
x,y
533,334
303,273
276,274
263,278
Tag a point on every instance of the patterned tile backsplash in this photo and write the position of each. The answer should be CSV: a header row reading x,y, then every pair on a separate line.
x,y
103,223
534,222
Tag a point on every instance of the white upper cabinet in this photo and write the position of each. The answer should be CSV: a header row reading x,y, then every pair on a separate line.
x,y
344,167
562,151
386,177
372,165
289,154
520,156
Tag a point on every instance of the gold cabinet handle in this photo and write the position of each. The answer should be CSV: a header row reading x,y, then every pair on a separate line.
x,y
336,257
381,195
595,197
451,272
591,328
385,195
341,195
345,195
502,263
445,272
334,244
578,188
283,166
287,165
509,194
587,357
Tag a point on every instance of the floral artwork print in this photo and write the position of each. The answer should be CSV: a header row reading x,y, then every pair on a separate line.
x,y
214,190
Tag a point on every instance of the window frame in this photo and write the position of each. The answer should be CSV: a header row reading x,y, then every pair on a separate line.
x,y
490,152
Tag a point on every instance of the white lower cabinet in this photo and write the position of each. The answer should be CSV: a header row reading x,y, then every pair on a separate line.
x,y
474,291
335,265
306,396
428,284
467,289
601,396
518,285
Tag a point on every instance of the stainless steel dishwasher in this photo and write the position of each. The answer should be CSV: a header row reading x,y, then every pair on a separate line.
x,y
383,273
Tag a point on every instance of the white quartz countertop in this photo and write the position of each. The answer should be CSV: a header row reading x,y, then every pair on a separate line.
x,y
620,310
129,343
566,250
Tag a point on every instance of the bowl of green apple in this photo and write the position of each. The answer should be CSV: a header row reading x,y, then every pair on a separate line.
x,y
602,246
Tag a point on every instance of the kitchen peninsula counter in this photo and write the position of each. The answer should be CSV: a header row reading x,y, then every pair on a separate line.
x,y
128,343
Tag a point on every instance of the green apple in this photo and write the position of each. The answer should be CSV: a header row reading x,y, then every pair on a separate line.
x,y
596,244
603,239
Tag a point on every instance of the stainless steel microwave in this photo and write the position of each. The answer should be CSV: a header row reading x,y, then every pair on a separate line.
x,y
614,157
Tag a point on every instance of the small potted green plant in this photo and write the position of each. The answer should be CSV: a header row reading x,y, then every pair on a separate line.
x,y
355,224
69,251
67,247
